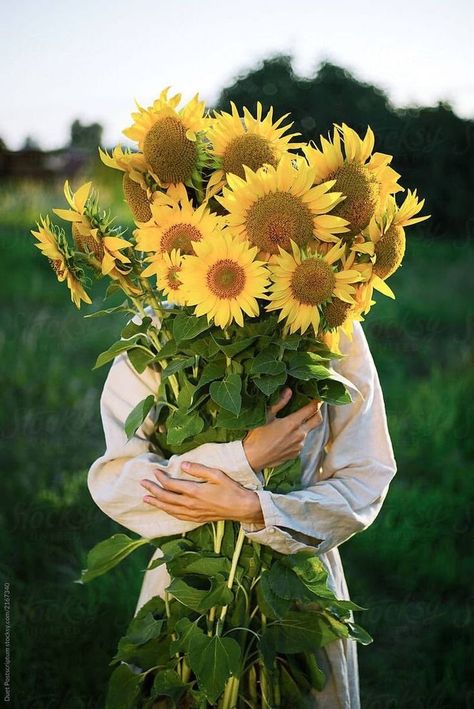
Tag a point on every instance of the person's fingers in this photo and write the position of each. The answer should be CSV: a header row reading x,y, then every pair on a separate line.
x,y
313,421
182,487
285,396
300,416
161,494
201,471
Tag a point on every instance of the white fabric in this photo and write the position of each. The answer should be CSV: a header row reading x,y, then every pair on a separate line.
x,y
348,464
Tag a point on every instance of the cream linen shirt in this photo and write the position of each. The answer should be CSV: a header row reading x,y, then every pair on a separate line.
x,y
347,465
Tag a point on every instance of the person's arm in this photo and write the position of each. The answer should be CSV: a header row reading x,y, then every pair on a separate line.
x,y
114,478
356,470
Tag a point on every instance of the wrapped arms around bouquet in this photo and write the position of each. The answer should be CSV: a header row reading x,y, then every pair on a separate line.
x,y
264,250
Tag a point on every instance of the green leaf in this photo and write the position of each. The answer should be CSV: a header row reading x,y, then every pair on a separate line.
x,y
306,365
274,606
123,688
212,371
234,348
140,358
107,554
176,366
213,660
187,327
227,393
247,418
215,591
298,632
266,363
286,584
359,634
143,629
202,562
170,550
186,631
116,349
180,425
138,414
167,350
311,572
169,684
269,383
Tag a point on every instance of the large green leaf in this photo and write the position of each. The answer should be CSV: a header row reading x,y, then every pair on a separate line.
x,y
181,425
233,348
187,327
273,606
267,363
213,660
107,554
227,393
138,414
133,328
140,358
185,631
117,348
123,688
268,383
200,599
144,628
307,365
311,572
298,632
286,584
247,418
202,562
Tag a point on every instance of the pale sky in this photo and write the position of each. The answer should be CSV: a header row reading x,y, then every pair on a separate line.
x,y
89,59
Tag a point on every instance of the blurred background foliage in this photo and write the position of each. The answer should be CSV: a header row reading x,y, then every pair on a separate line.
x,y
411,568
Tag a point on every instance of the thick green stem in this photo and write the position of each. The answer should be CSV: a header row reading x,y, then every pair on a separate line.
x,y
218,537
230,580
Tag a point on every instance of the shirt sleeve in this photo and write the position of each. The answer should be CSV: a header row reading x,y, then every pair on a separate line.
x,y
114,478
355,474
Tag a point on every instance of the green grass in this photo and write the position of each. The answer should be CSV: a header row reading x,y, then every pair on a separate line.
x,y
410,568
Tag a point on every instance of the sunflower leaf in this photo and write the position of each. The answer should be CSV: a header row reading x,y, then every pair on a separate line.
x,y
228,393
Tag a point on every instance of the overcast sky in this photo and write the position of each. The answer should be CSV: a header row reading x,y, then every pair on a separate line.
x,y
90,58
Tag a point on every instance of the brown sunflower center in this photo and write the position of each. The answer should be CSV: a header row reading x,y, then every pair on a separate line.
x,y
251,150
136,198
172,277
87,243
362,191
276,218
180,236
336,312
170,154
226,278
389,251
313,281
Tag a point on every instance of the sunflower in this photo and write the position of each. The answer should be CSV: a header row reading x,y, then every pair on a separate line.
x,y
52,243
386,233
167,267
303,282
247,141
136,189
91,231
365,177
175,224
223,280
276,205
171,139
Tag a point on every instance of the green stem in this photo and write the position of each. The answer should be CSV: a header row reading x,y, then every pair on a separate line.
x,y
218,537
230,580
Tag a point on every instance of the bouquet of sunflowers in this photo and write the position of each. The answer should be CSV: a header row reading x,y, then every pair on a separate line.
x,y
255,252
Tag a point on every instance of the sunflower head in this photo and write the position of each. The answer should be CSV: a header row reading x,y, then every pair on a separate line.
x,y
363,176
52,242
167,268
171,138
247,141
136,198
223,280
277,205
305,283
175,223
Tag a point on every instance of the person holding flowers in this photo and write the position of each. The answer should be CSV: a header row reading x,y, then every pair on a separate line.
x,y
245,428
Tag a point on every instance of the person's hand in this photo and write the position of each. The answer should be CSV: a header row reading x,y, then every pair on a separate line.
x,y
281,439
214,496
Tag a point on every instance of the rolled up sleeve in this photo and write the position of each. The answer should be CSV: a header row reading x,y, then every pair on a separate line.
x,y
357,468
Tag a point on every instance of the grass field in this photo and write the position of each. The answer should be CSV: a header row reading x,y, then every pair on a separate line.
x,y
411,568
